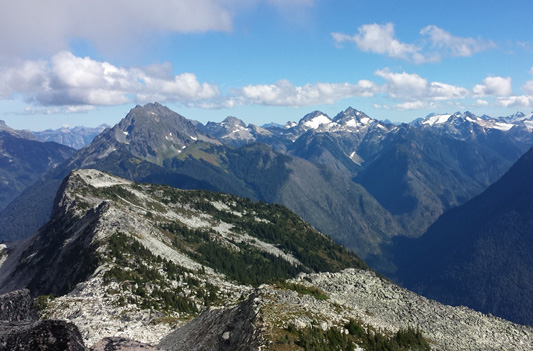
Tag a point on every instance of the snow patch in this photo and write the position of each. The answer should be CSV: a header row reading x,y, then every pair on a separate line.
x,y
502,126
438,119
365,120
317,121
351,123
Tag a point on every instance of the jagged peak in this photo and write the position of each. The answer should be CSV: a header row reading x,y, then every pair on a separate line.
x,y
350,112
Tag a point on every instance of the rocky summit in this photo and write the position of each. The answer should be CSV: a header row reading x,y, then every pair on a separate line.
x,y
149,267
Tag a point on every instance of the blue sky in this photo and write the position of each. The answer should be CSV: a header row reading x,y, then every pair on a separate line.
x,y
73,62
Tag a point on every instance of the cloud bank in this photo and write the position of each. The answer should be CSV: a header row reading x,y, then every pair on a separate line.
x,y
79,84
46,27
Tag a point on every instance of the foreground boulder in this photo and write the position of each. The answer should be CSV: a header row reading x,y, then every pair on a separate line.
x,y
17,306
49,335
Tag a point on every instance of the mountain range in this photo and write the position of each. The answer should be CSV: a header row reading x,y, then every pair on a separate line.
x,y
24,159
365,183
74,137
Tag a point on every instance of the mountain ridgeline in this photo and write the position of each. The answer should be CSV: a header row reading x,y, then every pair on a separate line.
x,y
194,269
154,144
359,180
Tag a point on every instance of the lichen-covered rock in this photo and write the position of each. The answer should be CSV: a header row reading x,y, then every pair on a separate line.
x,y
46,335
17,306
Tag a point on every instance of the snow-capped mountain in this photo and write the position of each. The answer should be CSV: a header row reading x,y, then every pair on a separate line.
x,y
316,120
459,122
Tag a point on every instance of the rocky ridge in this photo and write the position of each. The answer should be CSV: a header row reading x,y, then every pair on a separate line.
x,y
147,253
377,304
114,306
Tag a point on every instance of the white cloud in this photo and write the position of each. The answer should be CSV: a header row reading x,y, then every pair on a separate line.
x,y
412,87
481,102
68,80
284,93
515,101
457,46
496,86
47,26
380,39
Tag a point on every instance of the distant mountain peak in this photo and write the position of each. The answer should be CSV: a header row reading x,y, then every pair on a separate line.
x,y
233,121
314,120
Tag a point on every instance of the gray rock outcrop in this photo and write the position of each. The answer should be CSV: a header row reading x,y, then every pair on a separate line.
x,y
46,335
222,329
17,306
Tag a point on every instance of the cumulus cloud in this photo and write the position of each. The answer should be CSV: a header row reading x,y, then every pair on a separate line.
x,y
380,39
412,87
496,86
515,101
68,80
48,26
284,93
457,46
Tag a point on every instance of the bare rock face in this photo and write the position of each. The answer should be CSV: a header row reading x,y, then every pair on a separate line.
x,y
17,306
49,335
236,328
121,344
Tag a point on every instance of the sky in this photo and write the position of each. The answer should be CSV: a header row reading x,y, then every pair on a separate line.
x,y
74,62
